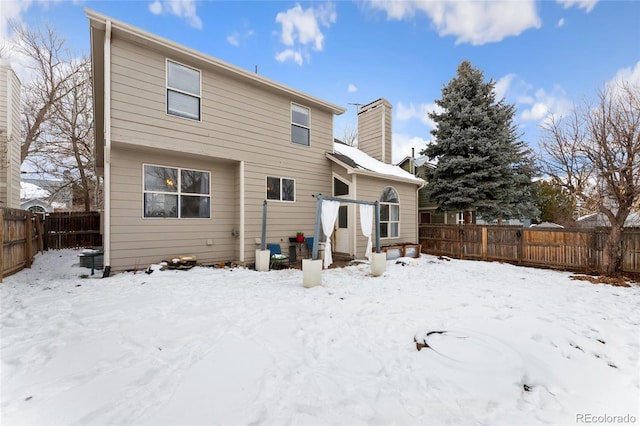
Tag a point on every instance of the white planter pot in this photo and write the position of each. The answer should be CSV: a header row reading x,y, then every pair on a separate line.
x,y
263,257
311,272
378,264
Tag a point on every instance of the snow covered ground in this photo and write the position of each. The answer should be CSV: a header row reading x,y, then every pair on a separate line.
x,y
237,347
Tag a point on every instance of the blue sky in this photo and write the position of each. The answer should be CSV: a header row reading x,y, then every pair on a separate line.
x,y
545,56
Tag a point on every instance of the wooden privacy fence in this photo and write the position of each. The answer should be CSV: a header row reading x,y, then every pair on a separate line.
x,y
21,237
72,229
569,249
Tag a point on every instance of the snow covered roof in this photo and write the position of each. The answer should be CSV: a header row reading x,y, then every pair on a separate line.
x,y
29,191
546,225
357,160
599,219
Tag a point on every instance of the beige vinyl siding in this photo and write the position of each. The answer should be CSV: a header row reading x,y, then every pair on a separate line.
x,y
137,242
370,189
239,120
10,138
371,137
4,140
284,219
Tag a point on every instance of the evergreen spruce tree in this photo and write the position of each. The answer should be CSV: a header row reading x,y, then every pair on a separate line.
x,y
481,163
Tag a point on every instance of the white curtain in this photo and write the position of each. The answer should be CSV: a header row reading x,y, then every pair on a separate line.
x,y
366,224
328,217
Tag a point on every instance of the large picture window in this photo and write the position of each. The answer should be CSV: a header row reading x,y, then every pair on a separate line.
x,y
389,213
183,91
175,192
281,189
300,124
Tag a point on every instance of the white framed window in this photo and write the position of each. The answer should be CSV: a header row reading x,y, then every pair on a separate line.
x,y
281,189
300,124
175,192
389,213
460,218
183,91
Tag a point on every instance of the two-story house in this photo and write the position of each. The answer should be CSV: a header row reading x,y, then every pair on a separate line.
x,y
189,148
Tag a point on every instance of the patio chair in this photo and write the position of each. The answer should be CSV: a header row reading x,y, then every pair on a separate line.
x,y
309,241
278,260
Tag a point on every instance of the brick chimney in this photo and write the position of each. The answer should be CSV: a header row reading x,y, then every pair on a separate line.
x,y
374,130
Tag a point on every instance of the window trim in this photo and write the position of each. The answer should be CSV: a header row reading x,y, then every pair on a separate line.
x,y
178,193
390,221
280,200
175,90
300,125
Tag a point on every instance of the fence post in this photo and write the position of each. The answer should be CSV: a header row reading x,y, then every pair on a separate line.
x,y
39,229
28,243
484,243
1,243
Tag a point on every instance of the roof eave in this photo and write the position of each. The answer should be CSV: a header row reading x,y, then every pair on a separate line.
x,y
351,170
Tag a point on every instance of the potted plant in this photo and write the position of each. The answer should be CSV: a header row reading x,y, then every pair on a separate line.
x,y
300,237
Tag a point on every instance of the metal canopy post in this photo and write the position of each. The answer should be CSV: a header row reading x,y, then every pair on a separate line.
x,y
263,244
316,233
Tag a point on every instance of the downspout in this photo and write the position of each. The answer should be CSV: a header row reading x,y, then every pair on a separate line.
x,y
384,131
241,258
106,238
354,183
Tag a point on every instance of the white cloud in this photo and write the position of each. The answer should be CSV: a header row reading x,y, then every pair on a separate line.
x,y
232,39
302,27
402,144
155,7
290,54
544,105
502,86
419,112
236,38
181,8
352,88
629,74
560,23
11,10
475,22
587,5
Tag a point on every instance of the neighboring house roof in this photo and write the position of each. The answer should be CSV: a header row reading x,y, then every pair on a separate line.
x,y
358,162
600,219
546,225
98,25
418,161
30,191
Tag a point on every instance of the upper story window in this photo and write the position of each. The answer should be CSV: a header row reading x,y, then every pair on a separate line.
x,y
175,192
281,189
299,124
389,213
183,91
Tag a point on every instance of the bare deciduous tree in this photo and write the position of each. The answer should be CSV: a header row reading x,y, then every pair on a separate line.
x,y
350,135
72,128
53,67
595,154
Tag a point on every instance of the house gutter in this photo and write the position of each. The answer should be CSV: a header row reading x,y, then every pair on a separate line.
x,y
106,237
242,183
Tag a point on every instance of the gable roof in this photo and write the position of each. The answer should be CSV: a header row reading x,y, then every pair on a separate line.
x,y
358,162
600,219
418,161
100,24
